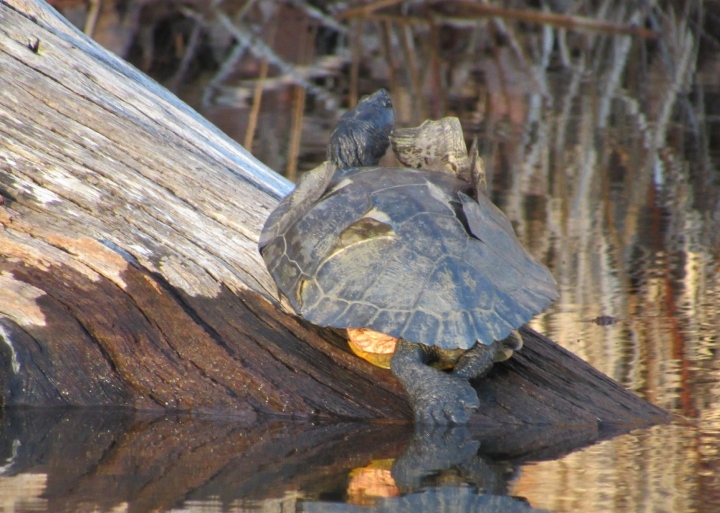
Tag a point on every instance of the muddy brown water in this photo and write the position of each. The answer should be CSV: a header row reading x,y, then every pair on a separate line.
x,y
601,148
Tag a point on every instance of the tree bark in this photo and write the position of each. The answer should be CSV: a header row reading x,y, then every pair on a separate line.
x,y
129,274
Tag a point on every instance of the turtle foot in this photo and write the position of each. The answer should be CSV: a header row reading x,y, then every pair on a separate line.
x,y
446,399
435,397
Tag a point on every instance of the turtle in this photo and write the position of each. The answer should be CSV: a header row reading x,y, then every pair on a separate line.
x,y
416,258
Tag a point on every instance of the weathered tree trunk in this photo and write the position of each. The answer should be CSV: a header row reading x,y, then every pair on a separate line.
x,y
129,273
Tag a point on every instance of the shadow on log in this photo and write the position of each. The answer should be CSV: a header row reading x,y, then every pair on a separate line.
x,y
129,274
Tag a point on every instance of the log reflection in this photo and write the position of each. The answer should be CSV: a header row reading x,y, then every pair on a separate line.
x,y
104,460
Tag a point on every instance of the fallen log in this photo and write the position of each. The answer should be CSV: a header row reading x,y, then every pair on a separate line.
x,y
129,274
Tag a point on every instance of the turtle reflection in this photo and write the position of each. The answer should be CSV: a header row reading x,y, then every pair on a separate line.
x,y
440,470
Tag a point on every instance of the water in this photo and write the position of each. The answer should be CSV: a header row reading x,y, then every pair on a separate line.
x,y
602,151
84,460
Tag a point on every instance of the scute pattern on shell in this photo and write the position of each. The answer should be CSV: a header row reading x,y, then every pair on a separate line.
x,y
436,267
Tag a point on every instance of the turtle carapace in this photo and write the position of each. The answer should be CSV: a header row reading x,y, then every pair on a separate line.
x,y
417,255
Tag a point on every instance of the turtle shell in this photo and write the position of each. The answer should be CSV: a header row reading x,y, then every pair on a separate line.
x,y
407,253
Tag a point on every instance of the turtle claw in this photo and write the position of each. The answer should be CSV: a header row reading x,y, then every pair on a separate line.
x,y
450,401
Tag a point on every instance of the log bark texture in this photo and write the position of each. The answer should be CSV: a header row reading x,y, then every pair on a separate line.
x,y
129,274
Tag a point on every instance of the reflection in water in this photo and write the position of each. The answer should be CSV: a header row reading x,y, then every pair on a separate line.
x,y
65,460
602,150
23,492
70,461
658,469
440,500
435,453
112,461
99,460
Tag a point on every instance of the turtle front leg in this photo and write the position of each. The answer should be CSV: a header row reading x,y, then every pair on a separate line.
x,y
436,397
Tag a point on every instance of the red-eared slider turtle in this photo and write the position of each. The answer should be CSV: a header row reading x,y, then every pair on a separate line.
x,y
420,255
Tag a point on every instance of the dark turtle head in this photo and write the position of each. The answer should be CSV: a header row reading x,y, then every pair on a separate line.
x,y
363,133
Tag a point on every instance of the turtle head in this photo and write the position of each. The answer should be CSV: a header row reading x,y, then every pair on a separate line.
x,y
363,133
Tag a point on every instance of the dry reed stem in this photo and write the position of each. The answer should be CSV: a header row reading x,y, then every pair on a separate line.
x,y
384,29
299,96
188,55
257,93
366,10
355,63
471,9
438,99
255,109
92,17
406,43
557,20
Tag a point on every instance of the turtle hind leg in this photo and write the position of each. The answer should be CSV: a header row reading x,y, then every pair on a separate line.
x,y
477,361
507,346
436,397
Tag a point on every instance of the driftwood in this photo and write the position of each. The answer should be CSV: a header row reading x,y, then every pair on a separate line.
x,y
129,274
